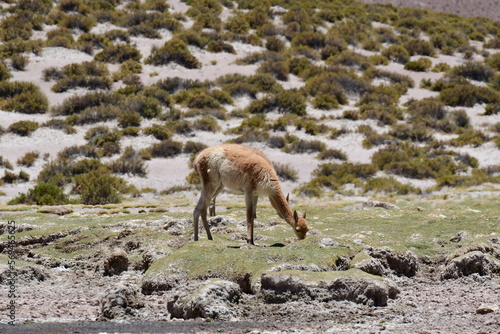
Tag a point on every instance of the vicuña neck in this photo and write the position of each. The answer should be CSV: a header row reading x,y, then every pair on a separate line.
x,y
282,205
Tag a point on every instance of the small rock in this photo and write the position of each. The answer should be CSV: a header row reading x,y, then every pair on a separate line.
x,y
459,236
328,243
487,308
116,263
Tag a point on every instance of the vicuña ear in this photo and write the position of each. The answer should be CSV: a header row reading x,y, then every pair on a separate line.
x,y
288,198
304,216
295,216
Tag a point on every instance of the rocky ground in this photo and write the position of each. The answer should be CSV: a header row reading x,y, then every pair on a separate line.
x,y
381,289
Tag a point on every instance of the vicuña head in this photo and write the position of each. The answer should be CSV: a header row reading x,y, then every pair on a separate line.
x,y
244,170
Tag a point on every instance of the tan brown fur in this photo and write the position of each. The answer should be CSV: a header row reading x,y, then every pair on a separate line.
x,y
246,170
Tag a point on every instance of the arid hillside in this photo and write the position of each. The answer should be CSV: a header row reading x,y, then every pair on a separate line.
x,y
467,8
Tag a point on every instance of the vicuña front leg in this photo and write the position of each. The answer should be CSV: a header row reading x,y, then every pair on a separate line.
x,y
250,200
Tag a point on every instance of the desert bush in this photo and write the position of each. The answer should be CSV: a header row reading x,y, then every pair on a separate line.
x,y
206,123
118,35
448,41
419,47
467,95
174,50
19,62
351,59
334,176
5,163
117,54
493,61
191,147
286,172
305,146
202,100
97,114
166,149
147,107
388,185
396,53
105,139
99,187
77,21
23,97
275,44
78,103
218,46
130,163
23,128
237,24
332,153
28,159
477,177
129,118
4,72
60,37
401,82
277,69
251,135
175,84
327,90
52,73
194,38
160,132
42,194
415,133
87,151
419,65
473,71
471,137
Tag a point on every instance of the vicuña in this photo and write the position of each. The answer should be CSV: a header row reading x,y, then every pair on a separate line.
x,y
245,170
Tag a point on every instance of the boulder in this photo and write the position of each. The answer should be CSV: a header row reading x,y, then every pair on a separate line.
x,y
118,302
213,300
475,262
116,263
351,285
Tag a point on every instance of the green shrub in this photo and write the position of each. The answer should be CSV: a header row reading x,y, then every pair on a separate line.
x,y
160,132
397,54
389,185
206,123
471,137
493,61
19,62
99,187
23,97
174,50
420,65
42,194
468,95
419,47
117,54
129,118
275,44
28,159
278,69
332,154
4,72
23,128
78,21
147,107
